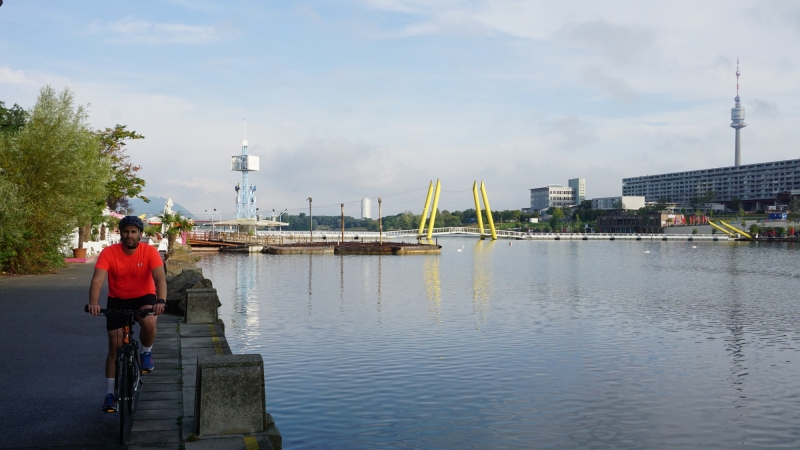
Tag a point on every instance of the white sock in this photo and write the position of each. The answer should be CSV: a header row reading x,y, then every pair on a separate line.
x,y
109,385
147,349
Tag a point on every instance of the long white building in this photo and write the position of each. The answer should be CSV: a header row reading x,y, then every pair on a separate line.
x,y
756,185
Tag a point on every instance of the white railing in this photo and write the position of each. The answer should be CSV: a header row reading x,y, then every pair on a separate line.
x,y
336,236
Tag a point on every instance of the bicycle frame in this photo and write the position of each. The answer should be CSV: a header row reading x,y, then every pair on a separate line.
x,y
128,371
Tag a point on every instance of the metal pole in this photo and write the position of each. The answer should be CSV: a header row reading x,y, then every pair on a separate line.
x,y
432,221
488,211
310,220
380,221
342,222
212,222
425,211
478,214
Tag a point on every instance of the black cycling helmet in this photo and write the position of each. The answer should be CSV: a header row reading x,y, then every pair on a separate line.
x,y
131,220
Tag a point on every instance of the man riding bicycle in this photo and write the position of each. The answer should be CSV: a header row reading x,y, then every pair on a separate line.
x,y
136,280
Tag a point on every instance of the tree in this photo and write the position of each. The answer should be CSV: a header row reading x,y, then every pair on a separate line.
x,y
125,183
58,175
556,217
736,204
175,224
794,211
12,119
661,204
12,223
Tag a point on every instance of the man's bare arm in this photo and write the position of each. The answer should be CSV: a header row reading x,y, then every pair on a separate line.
x,y
96,285
160,279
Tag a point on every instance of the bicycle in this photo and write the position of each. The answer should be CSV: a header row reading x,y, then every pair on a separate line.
x,y
128,370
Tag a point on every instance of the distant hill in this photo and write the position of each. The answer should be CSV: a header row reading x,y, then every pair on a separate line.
x,y
156,207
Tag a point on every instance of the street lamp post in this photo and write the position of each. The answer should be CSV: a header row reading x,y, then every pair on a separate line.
x,y
380,221
280,227
212,221
310,220
220,215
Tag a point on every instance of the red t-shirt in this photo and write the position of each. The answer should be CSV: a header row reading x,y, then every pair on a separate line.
x,y
129,276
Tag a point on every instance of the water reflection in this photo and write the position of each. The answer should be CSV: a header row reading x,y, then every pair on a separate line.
x,y
481,279
310,276
736,342
433,286
245,294
341,283
580,345
380,280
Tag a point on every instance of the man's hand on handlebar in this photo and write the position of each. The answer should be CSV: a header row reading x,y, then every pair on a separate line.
x,y
158,308
93,309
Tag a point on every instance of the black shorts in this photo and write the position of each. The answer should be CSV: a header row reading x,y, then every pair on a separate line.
x,y
114,322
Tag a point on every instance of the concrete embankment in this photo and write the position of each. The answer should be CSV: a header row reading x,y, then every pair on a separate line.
x,y
223,395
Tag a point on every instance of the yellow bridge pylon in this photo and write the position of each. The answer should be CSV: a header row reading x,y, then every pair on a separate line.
x,y
435,194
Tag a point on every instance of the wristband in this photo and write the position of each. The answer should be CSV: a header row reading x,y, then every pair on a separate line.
x,y
161,301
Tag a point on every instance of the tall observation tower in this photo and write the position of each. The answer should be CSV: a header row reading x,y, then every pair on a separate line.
x,y
737,118
246,194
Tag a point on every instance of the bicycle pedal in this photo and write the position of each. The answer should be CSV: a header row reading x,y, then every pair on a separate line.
x,y
144,371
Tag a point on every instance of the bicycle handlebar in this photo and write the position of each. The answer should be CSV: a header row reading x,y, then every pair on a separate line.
x,y
122,312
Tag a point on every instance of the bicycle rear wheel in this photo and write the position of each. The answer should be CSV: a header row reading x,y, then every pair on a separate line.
x,y
123,397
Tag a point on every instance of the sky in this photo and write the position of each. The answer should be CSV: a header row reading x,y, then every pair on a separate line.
x,y
375,98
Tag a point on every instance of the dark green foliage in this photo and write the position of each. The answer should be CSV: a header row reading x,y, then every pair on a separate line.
x,y
56,177
12,119
124,183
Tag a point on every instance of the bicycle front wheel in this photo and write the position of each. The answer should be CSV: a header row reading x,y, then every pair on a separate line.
x,y
135,382
123,397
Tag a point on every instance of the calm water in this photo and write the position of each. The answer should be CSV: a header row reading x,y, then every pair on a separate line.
x,y
539,344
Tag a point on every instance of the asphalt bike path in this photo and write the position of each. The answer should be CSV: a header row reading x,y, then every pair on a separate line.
x,y
52,357
51,369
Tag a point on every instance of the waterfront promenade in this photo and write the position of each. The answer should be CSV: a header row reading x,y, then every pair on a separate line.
x,y
52,357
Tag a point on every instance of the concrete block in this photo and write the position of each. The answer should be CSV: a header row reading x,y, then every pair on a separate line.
x,y
230,395
201,306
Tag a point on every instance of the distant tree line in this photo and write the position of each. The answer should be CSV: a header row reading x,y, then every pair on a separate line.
x,y
402,221
56,174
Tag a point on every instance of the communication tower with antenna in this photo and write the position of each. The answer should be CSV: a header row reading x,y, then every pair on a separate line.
x,y
245,192
737,118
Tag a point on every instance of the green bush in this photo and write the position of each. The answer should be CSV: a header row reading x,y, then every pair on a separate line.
x,y
58,177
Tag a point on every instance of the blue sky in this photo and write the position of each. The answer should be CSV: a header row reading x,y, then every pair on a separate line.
x,y
369,98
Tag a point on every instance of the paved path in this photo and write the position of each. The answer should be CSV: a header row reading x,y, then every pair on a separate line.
x,y
52,357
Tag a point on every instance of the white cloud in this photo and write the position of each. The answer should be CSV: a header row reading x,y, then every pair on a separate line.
x,y
15,76
137,31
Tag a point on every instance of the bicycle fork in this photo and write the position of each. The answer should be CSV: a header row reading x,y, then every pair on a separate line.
x,y
128,351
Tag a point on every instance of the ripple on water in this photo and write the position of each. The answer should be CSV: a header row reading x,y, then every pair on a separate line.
x,y
561,344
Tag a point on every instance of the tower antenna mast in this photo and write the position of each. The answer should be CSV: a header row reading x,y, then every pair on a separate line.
x,y
737,118
245,192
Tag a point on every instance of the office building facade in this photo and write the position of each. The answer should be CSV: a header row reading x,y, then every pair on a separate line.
x,y
552,195
579,184
625,202
757,186
651,223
